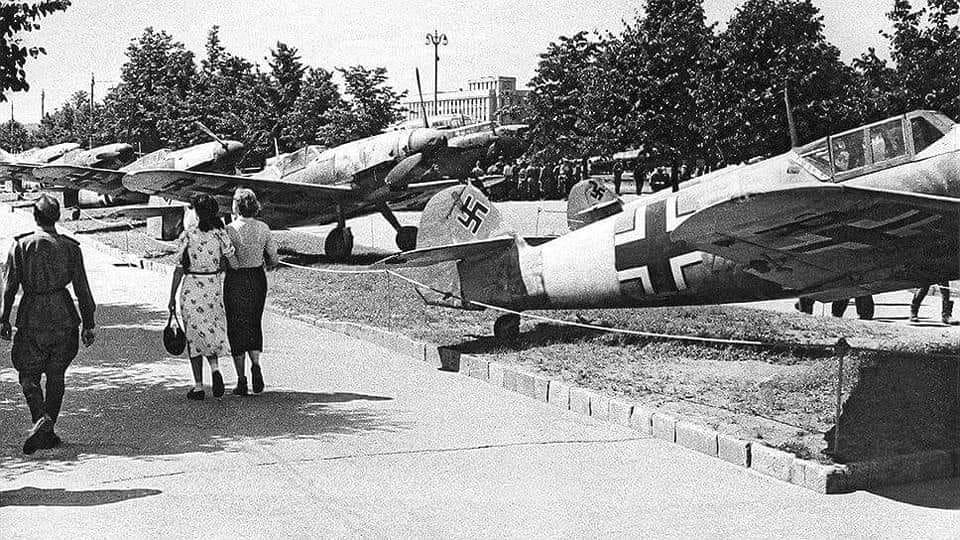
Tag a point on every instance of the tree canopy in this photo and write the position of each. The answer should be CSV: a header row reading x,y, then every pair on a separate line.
x,y
17,18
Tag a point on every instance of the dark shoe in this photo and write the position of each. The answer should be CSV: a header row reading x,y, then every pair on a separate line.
x,y
241,389
51,441
196,395
38,435
914,317
257,379
217,384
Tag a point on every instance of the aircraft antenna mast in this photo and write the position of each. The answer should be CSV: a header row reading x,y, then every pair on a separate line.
x,y
790,123
423,108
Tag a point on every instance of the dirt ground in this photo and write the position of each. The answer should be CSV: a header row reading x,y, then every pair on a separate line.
x,y
901,389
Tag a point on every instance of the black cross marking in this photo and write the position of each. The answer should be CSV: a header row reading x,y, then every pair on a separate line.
x,y
472,217
653,251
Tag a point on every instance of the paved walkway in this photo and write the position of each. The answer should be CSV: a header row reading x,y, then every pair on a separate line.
x,y
353,440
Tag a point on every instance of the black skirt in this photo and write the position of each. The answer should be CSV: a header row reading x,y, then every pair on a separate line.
x,y
244,293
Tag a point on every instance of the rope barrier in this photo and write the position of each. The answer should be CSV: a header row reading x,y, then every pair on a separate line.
x,y
90,216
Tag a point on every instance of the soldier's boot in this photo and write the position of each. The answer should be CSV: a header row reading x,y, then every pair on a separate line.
x,y
914,313
948,312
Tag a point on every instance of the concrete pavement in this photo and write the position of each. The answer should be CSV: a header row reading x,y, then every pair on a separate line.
x,y
353,440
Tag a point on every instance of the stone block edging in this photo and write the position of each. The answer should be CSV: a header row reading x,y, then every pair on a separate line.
x,y
757,457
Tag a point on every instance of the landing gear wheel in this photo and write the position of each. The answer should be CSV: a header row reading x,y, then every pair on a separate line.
x,y
407,238
339,244
507,327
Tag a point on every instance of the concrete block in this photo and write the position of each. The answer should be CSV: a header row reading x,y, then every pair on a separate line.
x,y
664,426
443,358
471,366
166,227
599,406
510,379
495,373
580,400
699,438
817,476
559,394
733,450
525,384
620,411
771,462
541,388
641,419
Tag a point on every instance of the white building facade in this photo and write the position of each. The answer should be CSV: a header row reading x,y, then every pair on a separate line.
x,y
484,100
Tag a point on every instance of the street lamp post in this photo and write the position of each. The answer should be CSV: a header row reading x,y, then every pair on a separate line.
x,y
436,40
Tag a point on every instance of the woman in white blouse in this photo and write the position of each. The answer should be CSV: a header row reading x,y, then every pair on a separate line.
x,y
245,288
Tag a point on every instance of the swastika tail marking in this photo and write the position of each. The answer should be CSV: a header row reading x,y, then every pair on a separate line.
x,y
473,212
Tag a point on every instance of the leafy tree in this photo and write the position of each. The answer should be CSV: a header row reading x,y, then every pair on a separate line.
x,y
559,93
770,45
926,49
371,107
318,96
71,122
880,94
151,105
13,137
15,19
644,94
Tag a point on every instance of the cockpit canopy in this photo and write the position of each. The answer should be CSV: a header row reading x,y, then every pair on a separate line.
x,y
875,146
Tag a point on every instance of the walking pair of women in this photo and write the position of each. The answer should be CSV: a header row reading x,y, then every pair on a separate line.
x,y
217,309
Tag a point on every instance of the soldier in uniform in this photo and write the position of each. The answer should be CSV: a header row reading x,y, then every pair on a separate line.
x,y
43,263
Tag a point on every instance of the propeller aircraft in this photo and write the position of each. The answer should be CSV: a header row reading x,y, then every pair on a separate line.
x,y
865,211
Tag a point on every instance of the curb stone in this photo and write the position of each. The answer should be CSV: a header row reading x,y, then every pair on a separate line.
x,y
748,454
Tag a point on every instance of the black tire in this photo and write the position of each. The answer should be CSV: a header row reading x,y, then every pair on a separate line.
x,y
507,327
339,244
407,238
865,307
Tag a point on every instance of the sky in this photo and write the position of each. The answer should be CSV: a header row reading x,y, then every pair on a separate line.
x,y
485,37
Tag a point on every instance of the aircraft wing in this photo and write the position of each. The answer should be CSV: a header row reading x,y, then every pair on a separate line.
x,y
448,253
284,202
832,241
103,181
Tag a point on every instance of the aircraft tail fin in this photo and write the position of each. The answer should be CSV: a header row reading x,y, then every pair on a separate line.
x,y
456,215
588,201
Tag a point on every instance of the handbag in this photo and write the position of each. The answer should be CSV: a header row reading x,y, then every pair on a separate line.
x,y
174,340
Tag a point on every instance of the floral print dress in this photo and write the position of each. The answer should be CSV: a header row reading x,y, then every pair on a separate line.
x,y
201,294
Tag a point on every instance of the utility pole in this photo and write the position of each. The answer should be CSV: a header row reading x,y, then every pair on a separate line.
x,y
43,97
436,40
90,122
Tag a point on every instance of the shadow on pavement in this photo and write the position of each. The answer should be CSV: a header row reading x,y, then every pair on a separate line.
x,y
127,397
943,494
31,496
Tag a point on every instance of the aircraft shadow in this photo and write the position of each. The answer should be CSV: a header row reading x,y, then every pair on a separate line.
x,y
31,496
127,397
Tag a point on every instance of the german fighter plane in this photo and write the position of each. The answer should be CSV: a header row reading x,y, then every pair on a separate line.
x,y
216,155
17,167
869,210
317,185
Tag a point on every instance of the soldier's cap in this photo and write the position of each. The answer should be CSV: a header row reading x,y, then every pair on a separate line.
x,y
48,207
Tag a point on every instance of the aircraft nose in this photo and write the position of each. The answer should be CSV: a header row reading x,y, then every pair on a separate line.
x,y
233,147
425,140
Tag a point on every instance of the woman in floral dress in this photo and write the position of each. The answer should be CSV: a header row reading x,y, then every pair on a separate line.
x,y
201,248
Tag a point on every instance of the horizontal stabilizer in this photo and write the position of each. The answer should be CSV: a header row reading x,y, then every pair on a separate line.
x,y
448,253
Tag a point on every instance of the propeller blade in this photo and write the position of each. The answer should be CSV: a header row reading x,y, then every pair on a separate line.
x,y
397,177
209,133
423,108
